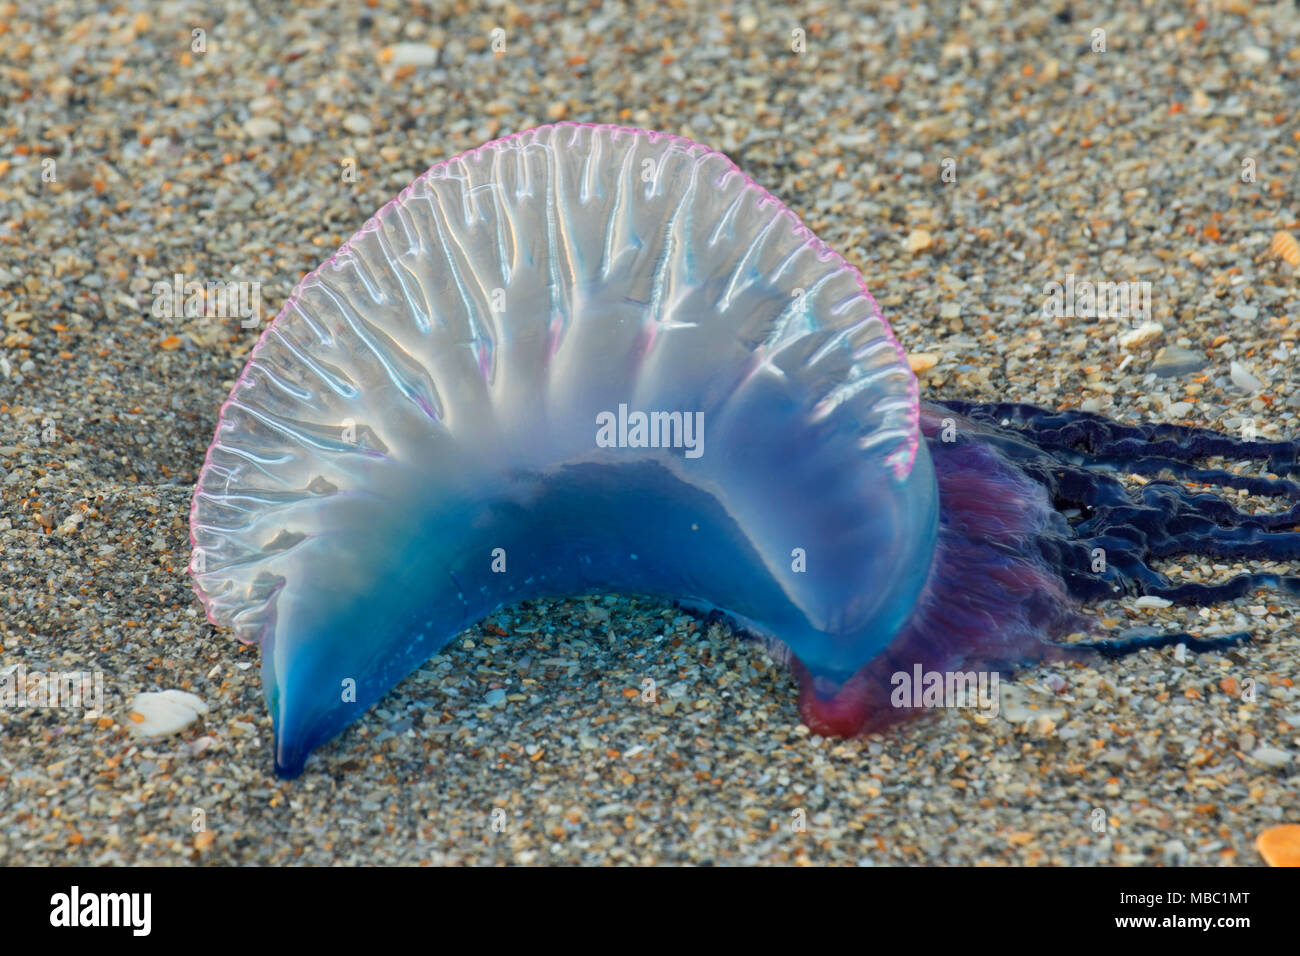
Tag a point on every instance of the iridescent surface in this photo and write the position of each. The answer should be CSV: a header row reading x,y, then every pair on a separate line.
x,y
413,443
423,436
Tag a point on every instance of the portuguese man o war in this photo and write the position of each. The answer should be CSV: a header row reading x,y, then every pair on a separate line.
x,y
588,358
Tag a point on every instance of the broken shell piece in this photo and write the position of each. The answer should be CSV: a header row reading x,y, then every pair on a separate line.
x,y
1244,379
1144,334
922,361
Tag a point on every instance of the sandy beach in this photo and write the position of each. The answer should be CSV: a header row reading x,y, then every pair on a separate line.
x,y
964,157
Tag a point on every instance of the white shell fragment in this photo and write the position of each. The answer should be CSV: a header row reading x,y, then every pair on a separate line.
x,y
412,54
1144,334
1244,379
164,713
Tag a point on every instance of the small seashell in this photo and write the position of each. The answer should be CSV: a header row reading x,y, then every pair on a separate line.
x,y
1150,600
1244,379
164,713
1286,248
1140,336
1280,846
410,54
922,361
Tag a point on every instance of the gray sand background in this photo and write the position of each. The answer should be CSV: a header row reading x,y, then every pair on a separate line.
x,y
229,165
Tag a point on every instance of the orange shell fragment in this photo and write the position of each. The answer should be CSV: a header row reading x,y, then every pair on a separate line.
x,y
1280,846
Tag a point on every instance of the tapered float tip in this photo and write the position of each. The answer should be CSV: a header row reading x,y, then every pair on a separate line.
x,y
291,739
290,758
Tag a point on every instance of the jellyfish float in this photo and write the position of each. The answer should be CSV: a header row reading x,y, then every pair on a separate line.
x,y
587,358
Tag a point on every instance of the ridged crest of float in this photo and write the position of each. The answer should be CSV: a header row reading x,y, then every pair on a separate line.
x,y
471,302
430,395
